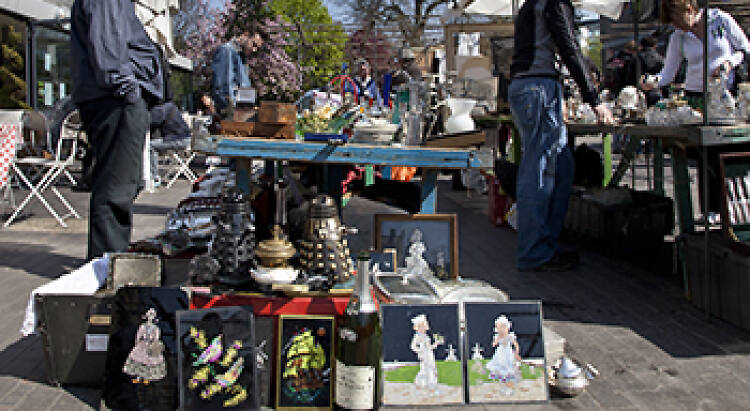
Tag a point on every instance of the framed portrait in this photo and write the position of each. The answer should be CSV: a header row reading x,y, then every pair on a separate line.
x,y
420,239
385,260
303,368
505,352
217,359
422,361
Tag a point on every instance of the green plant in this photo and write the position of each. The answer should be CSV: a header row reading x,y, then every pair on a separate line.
x,y
12,85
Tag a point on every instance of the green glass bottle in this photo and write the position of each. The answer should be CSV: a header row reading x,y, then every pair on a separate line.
x,y
358,373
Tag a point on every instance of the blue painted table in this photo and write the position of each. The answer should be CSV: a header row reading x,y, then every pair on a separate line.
x,y
430,159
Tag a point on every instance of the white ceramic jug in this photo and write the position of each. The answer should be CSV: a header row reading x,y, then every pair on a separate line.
x,y
460,120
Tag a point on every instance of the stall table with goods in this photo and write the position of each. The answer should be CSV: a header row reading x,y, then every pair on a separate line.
x,y
294,322
430,159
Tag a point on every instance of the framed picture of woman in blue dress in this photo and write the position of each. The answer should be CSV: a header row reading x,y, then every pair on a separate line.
x,y
505,352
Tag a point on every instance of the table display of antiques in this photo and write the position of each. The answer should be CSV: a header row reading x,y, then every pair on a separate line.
x,y
629,106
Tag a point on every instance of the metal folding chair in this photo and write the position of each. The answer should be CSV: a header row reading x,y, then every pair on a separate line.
x,y
51,170
180,165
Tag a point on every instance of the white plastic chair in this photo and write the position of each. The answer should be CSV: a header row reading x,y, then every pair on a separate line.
x,y
51,170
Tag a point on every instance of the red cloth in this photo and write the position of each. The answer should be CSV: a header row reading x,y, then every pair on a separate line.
x,y
8,140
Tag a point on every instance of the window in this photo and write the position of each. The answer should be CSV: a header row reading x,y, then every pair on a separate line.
x,y
53,75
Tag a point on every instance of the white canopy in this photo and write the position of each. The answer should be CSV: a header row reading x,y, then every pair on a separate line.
x,y
608,8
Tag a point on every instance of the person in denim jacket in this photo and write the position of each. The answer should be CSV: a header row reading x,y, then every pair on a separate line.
x,y
230,71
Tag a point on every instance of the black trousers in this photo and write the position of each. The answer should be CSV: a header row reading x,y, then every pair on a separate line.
x,y
116,131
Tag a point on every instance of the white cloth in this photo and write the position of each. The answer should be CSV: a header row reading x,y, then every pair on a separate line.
x,y
503,362
11,136
427,375
82,281
726,42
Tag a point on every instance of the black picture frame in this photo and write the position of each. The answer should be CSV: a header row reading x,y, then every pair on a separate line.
x,y
530,385
310,388
234,329
402,366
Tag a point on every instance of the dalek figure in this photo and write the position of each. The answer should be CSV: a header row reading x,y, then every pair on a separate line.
x,y
233,242
324,252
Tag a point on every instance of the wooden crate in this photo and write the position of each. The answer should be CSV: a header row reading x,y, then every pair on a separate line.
x,y
277,113
238,128
271,130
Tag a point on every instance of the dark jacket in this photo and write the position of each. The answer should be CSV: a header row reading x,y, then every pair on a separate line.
x,y
652,62
543,30
112,54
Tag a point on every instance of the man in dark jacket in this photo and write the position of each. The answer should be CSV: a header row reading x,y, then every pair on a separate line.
x,y
117,69
544,30
651,63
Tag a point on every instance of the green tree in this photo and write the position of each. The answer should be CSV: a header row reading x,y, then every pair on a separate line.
x,y
12,85
314,40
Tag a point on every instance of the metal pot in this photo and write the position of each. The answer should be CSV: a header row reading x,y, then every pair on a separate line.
x,y
570,379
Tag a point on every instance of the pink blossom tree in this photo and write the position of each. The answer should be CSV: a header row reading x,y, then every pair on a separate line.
x,y
200,29
274,74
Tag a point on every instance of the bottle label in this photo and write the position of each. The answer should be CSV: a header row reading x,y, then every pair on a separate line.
x,y
355,386
347,334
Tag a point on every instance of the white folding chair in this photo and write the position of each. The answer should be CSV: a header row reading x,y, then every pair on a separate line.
x,y
180,165
51,170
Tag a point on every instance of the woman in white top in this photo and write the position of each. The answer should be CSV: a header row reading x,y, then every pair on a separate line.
x,y
727,44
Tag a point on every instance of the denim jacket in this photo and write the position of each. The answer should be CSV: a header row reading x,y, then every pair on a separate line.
x,y
229,73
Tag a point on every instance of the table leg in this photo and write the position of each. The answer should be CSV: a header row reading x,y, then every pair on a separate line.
x,y
369,175
607,147
658,167
243,174
627,158
429,191
515,146
682,190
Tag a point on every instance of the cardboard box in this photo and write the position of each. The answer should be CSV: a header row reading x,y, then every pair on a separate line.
x,y
277,113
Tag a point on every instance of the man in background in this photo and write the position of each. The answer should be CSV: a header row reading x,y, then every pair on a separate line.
x,y
117,70
545,29
230,72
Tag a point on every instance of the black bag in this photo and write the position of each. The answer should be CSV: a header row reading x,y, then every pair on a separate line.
x,y
123,391
217,359
507,173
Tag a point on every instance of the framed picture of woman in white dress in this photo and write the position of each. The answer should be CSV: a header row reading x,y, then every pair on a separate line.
x,y
422,355
505,352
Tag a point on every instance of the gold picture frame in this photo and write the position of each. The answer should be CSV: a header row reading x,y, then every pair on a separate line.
x,y
304,372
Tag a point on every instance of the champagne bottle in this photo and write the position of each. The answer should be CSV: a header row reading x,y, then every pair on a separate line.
x,y
358,379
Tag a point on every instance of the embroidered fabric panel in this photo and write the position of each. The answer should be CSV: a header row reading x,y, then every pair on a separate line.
x,y
217,359
141,365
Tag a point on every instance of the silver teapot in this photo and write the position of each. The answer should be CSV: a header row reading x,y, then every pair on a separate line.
x,y
570,379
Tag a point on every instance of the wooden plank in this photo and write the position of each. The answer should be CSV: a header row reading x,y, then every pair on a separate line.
x,y
346,154
466,140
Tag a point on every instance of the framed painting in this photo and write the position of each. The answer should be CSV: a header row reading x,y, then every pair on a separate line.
x,y
303,368
505,352
217,359
429,240
422,361
386,260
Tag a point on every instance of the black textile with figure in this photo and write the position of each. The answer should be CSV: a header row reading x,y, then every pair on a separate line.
x,y
127,392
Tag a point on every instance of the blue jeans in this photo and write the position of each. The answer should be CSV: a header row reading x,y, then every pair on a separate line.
x,y
545,175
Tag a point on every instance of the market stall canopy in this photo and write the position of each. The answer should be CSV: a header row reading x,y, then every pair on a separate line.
x,y
608,8
156,16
